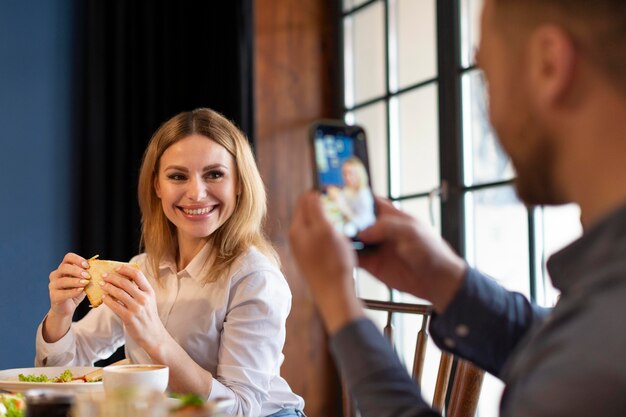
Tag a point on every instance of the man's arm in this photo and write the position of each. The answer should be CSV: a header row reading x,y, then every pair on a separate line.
x,y
484,322
479,320
373,373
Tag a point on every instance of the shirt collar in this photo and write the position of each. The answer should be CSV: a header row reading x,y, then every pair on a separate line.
x,y
194,269
579,264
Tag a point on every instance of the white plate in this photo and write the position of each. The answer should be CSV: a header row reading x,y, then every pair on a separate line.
x,y
9,380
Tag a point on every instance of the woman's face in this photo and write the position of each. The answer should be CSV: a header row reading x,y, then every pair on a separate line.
x,y
350,176
197,184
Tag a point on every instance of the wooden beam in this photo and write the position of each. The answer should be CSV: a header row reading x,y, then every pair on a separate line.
x,y
296,82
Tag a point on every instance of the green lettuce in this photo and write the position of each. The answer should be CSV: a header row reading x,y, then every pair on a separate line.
x,y
66,376
33,378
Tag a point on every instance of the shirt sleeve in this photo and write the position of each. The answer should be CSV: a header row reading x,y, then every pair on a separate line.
x,y
484,322
376,378
252,340
96,336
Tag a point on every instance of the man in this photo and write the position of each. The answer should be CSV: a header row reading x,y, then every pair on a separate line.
x,y
556,73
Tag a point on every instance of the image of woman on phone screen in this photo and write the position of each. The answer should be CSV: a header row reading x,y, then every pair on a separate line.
x,y
354,201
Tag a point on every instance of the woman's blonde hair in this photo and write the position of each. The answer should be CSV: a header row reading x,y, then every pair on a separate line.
x,y
243,229
360,170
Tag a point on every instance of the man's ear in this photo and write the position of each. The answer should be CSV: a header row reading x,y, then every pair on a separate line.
x,y
157,187
552,57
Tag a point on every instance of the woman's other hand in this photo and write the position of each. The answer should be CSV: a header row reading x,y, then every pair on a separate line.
x,y
66,289
132,298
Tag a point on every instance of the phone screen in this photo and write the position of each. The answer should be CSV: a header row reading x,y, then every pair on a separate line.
x,y
342,176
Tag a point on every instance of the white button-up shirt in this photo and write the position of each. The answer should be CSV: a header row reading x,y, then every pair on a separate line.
x,y
233,328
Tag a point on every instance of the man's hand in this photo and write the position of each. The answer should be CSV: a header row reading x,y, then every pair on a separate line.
x,y
327,261
410,257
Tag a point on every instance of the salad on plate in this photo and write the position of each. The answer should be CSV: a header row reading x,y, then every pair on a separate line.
x,y
12,405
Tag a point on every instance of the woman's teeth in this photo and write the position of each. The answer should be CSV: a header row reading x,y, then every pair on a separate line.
x,y
204,210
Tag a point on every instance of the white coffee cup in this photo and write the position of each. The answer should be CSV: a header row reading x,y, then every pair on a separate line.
x,y
147,377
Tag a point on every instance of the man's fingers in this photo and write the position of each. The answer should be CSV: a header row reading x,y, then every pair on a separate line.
x,y
313,210
299,216
390,221
386,207
298,222
309,212
374,233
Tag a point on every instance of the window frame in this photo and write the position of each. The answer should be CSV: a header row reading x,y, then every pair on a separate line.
x,y
453,189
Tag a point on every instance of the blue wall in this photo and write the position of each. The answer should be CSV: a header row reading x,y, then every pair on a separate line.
x,y
35,165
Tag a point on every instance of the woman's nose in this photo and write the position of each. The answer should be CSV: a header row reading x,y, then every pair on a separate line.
x,y
197,189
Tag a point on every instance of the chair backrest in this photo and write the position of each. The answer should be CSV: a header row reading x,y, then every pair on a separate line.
x,y
459,401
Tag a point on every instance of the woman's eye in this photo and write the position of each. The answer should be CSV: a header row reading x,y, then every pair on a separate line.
x,y
213,175
176,177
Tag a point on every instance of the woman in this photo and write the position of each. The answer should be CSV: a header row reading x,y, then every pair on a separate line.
x,y
354,201
209,301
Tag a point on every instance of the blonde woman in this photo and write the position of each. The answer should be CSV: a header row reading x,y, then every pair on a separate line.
x,y
209,300
354,201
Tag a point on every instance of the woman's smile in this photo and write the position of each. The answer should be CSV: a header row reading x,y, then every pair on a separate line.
x,y
198,212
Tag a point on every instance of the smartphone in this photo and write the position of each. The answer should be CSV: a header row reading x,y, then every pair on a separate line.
x,y
342,176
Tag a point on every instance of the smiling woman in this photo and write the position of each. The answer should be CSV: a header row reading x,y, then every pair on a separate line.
x,y
209,300
197,186
218,174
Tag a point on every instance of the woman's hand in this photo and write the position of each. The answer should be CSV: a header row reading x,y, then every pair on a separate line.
x,y
132,298
67,284
66,288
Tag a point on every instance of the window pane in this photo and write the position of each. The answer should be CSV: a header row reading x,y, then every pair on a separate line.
x,y
470,30
561,226
497,236
417,149
374,121
412,42
484,159
364,54
351,4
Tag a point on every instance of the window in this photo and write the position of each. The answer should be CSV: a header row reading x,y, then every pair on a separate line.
x,y
410,80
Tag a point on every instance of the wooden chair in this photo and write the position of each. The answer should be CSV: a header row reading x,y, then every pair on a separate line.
x,y
461,400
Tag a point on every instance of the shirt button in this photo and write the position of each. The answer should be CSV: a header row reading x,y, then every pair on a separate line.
x,y
449,342
462,330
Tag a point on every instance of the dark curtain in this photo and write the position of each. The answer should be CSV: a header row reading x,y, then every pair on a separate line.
x,y
140,62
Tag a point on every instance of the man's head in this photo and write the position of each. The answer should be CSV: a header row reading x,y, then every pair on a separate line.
x,y
541,58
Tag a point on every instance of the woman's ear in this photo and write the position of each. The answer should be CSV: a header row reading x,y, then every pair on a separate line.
x,y
157,187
